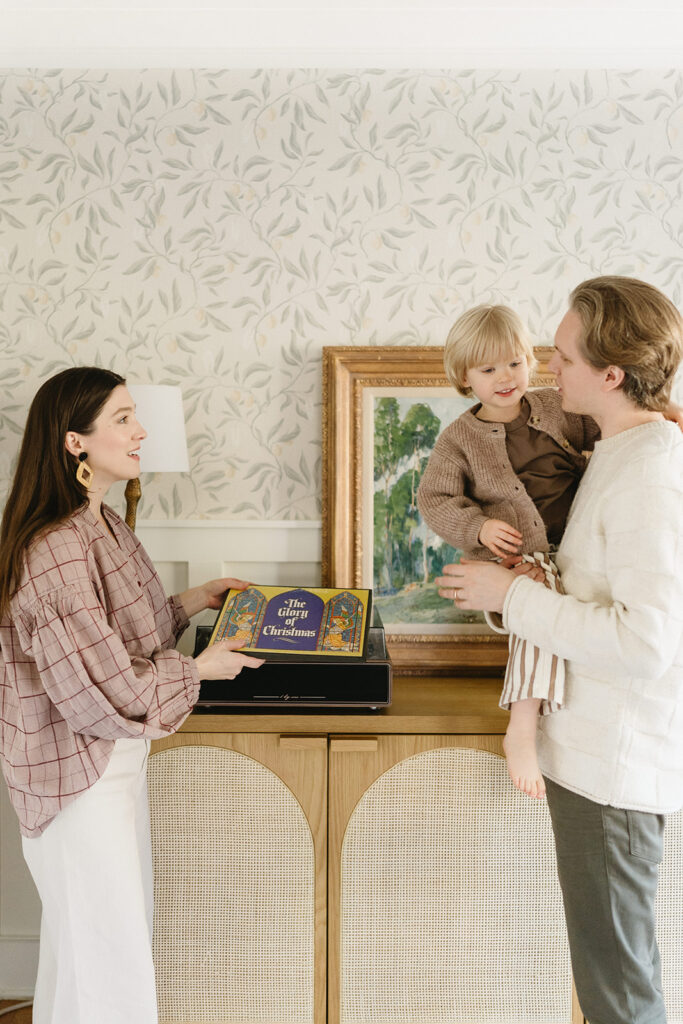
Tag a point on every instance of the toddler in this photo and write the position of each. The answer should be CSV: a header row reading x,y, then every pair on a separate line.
x,y
500,482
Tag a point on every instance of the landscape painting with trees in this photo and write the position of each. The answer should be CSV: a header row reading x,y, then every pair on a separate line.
x,y
407,555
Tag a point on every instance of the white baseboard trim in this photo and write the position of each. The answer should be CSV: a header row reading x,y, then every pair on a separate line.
x,y
19,960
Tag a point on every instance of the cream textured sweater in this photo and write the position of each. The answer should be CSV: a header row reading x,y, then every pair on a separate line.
x,y
619,738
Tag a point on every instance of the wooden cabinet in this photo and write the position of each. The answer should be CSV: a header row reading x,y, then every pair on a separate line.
x,y
354,868
365,868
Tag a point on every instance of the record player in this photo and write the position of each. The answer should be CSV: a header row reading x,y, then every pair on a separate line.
x,y
286,683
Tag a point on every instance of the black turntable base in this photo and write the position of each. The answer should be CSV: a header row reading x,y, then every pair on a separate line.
x,y
303,684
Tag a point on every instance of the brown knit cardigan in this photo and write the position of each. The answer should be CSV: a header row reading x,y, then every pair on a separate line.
x,y
469,478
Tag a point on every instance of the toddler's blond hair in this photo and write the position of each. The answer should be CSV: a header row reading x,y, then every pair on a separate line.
x,y
483,335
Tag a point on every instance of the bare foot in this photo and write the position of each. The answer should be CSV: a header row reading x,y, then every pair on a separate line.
x,y
520,751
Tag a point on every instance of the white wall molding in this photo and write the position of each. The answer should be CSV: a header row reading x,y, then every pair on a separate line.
x,y
229,524
230,542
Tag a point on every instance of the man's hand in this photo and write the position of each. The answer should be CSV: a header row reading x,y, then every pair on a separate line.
x,y
480,585
522,568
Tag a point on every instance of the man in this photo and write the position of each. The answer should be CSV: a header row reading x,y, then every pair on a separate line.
x,y
613,757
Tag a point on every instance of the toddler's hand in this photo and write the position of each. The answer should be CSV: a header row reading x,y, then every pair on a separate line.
x,y
500,538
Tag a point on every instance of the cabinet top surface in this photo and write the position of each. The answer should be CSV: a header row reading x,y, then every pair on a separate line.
x,y
421,704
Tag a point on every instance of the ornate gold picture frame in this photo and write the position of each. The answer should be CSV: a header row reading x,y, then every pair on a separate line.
x,y
359,385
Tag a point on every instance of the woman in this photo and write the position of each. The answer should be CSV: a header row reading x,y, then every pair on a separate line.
x,y
90,675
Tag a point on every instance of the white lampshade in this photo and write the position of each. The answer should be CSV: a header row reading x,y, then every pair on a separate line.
x,y
159,409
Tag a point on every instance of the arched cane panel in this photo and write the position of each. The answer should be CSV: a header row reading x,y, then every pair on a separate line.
x,y
451,911
234,890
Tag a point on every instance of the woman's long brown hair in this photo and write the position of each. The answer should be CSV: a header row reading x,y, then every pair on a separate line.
x,y
44,490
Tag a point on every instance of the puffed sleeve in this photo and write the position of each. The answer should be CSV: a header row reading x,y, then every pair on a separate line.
x,y
98,687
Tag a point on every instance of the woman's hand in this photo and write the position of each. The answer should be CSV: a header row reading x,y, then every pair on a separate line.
x,y
215,590
209,594
479,585
223,660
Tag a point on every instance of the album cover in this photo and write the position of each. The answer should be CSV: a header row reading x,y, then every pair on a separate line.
x,y
307,622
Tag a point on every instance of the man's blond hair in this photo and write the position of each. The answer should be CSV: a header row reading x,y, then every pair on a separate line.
x,y
632,325
484,334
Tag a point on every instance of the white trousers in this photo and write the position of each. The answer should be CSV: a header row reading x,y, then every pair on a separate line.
x,y
93,870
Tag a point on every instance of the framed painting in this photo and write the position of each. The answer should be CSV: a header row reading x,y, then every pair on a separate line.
x,y
383,408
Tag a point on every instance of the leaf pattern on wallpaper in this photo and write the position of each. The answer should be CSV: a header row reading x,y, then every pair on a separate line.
x,y
215,229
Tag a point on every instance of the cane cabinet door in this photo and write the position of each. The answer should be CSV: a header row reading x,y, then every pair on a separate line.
x,y
239,846
443,901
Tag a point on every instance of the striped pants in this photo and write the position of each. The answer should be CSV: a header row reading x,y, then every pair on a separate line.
x,y
532,672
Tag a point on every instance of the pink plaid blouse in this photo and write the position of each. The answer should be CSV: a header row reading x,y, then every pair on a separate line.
x,y
86,657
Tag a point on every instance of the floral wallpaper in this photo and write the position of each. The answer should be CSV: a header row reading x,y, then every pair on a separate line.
x,y
215,229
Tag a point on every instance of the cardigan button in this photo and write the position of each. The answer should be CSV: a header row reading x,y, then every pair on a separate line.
x,y
565,443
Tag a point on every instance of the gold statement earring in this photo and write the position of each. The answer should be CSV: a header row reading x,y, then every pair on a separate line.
x,y
84,473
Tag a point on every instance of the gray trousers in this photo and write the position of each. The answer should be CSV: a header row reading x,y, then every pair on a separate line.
x,y
608,865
